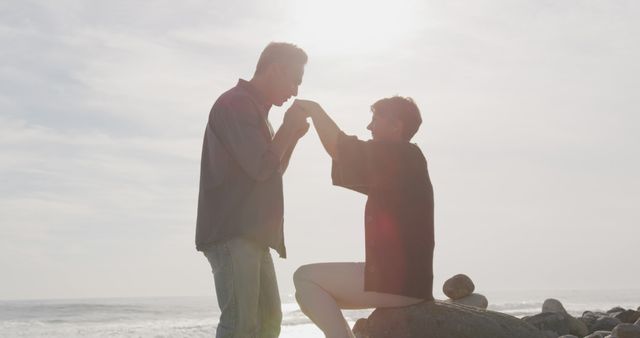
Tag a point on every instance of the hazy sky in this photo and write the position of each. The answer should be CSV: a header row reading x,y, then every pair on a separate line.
x,y
530,108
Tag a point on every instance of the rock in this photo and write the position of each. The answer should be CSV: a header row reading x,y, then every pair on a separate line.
x,y
445,319
615,310
589,319
568,336
605,324
553,305
626,330
551,321
628,316
474,299
599,334
576,327
458,286
558,322
360,328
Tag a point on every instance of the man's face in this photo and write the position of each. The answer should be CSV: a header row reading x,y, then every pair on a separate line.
x,y
385,128
286,81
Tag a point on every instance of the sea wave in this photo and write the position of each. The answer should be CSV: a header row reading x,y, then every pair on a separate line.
x,y
197,317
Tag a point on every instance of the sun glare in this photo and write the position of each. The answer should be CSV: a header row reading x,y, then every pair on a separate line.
x,y
353,26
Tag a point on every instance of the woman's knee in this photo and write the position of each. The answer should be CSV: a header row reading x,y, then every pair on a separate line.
x,y
302,282
302,274
300,300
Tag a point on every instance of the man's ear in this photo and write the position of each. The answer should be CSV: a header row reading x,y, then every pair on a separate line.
x,y
270,72
276,69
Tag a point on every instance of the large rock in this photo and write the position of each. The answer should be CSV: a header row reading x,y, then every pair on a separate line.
x,y
360,328
614,310
589,319
440,319
549,321
474,299
553,305
605,324
458,286
625,330
628,316
576,327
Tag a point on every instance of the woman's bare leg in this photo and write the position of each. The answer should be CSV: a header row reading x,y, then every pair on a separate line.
x,y
323,289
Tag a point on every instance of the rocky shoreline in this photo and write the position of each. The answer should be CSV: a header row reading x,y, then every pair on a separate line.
x,y
464,315
614,323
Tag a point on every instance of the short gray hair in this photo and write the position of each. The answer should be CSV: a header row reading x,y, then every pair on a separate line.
x,y
283,53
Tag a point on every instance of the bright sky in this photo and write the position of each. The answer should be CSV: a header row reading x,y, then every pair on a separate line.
x,y
531,133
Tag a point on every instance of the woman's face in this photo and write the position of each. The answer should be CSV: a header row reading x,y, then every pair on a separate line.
x,y
385,128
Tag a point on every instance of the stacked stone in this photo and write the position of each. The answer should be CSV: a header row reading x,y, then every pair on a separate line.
x,y
459,289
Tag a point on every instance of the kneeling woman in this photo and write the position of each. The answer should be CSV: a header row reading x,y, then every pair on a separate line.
x,y
399,237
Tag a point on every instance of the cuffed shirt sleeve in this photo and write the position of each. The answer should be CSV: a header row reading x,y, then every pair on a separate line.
x,y
351,167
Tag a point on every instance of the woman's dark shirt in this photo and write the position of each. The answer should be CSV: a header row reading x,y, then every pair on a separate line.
x,y
399,232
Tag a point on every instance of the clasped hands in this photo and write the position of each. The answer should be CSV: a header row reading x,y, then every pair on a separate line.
x,y
296,116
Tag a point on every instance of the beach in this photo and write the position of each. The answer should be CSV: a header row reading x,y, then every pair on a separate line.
x,y
197,316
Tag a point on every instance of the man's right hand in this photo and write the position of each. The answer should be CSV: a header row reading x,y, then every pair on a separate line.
x,y
295,118
302,130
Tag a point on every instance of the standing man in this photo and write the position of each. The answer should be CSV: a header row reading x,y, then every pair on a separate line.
x,y
240,205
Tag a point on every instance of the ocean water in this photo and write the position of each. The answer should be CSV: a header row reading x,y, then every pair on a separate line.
x,y
197,316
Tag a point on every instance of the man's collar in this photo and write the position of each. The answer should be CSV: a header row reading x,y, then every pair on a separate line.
x,y
256,94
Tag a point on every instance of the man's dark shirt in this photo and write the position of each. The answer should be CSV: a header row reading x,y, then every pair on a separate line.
x,y
240,174
399,234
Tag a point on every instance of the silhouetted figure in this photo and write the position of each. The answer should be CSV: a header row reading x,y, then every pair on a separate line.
x,y
399,237
240,205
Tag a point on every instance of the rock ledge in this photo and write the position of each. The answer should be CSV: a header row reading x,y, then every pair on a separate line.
x,y
439,319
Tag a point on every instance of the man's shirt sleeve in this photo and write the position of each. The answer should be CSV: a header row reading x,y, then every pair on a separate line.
x,y
241,129
351,168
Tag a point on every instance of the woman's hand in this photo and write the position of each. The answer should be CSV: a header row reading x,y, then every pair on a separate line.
x,y
327,129
312,108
